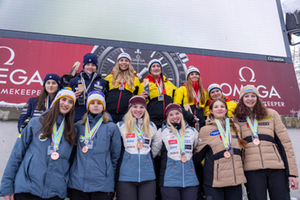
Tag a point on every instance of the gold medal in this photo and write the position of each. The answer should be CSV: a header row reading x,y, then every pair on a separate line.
x,y
183,159
85,149
54,156
256,141
227,154
139,145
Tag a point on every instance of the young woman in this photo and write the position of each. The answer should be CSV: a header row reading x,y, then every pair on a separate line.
x,y
92,175
85,82
136,176
123,84
176,141
37,105
220,145
215,92
38,167
269,159
192,97
161,92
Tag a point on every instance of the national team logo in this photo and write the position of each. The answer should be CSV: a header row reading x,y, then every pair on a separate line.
x,y
81,138
42,139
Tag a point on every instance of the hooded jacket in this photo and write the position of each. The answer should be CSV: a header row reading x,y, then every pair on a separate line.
x,y
94,171
275,150
173,172
31,170
218,170
136,165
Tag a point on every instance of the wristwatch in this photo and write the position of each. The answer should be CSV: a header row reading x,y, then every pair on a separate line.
x,y
173,64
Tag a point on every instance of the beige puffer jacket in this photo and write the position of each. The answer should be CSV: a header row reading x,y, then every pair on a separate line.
x,y
218,170
275,150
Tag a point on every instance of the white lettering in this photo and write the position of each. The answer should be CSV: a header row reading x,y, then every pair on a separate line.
x,y
12,55
20,77
4,91
36,74
230,90
3,75
273,92
264,92
242,79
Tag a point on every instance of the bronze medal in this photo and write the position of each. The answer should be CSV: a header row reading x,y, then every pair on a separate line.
x,y
183,159
226,154
85,149
256,141
54,156
139,145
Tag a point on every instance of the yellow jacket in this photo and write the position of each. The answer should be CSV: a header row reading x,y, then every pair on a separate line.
x,y
231,105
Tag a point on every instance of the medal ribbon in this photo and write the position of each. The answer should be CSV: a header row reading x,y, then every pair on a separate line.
x,y
197,97
123,81
89,134
82,80
253,128
159,86
57,134
137,131
226,137
47,102
180,139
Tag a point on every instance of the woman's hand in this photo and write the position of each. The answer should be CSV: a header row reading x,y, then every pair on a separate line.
x,y
293,182
144,94
9,197
77,94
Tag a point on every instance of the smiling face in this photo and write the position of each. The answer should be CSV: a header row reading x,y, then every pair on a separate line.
x,y
215,94
174,116
250,99
138,111
155,70
65,105
89,68
194,76
124,64
219,110
95,107
51,86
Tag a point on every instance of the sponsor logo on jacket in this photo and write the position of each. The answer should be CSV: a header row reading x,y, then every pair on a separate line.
x,y
130,135
263,124
214,133
172,142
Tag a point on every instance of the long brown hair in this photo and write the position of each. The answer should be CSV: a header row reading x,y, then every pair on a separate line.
x,y
189,88
42,97
49,118
242,111
118,75
241,141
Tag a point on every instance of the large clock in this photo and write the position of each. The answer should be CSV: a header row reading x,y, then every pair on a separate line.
x,y
173,64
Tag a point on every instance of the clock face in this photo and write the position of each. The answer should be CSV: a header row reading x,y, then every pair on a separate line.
x,y
172,63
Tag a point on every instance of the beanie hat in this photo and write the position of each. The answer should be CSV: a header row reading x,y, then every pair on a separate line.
x,y
90,58
124,55
54,77
98,96
173,106
190,70
214,86
65,92
137,100
247,89
151,62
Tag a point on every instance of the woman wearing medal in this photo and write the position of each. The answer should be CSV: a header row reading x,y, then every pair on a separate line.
x,y
269,159
123,84
92,175
192,97
135,173
220,145
37,105
215,92
38,167
176,141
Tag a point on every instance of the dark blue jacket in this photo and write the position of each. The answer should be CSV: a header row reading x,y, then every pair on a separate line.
x,y
31,170
98,84
94,171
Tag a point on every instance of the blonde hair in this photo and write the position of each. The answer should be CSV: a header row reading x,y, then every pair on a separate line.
x,y
105,117
182,129
189,86
129,122
118,76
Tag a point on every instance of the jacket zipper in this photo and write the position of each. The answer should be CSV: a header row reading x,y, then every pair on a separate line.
x,y
183,185
262,162
119,101
218,171
233,169
139,165
276,153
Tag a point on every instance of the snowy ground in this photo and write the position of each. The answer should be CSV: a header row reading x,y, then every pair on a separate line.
x,y
9,133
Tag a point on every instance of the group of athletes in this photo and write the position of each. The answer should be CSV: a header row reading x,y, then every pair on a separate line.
x,y
119,137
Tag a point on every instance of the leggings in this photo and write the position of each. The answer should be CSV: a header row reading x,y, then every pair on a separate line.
x,y
136,190
179,193
224,193
28,196
80,195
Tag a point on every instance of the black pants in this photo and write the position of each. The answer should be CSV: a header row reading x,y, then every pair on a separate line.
x,y
28,196
179,193
136,191
273,180
224,193
199,172
80,195
157,164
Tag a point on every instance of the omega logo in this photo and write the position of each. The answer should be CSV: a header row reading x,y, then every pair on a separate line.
x,y
242,79
12,55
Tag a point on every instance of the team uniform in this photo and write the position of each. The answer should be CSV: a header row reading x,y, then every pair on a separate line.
x,y
231,105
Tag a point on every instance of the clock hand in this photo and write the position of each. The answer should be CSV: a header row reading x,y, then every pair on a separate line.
x,y
141,73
